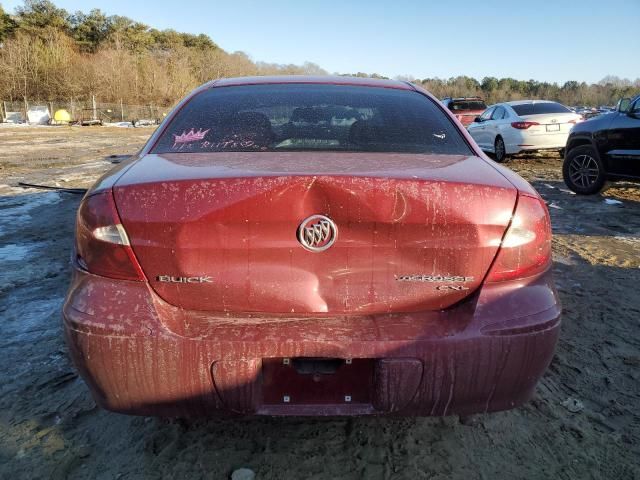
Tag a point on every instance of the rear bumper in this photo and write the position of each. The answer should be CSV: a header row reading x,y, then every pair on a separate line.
x,y
139,355
524,141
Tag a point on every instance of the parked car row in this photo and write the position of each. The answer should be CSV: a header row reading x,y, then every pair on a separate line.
x,y
598,144
589,112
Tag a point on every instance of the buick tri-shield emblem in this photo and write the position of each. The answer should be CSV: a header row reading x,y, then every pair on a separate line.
x,y
317,233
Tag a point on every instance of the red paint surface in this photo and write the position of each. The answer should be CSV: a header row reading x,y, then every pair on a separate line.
x,y
140,355
467,117
234,217
203,349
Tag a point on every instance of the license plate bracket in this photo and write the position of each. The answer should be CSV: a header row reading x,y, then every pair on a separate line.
x,y
317,381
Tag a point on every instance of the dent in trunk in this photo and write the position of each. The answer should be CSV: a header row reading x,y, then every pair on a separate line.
x,y
242,234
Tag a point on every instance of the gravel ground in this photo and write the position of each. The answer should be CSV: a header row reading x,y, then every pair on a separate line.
x,y
584,421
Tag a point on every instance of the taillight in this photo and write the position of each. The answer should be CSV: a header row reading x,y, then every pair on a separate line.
x,y
525,249
102,245
523,125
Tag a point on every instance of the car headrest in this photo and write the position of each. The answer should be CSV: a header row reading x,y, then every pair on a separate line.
x,y
308,115
364,132
250,125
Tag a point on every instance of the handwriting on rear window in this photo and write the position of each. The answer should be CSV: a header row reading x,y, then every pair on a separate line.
x,y
222,145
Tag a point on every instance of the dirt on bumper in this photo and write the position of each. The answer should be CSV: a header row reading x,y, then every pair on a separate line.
x,y
140,355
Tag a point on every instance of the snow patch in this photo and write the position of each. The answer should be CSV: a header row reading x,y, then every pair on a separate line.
x,y
13,252
36,315
17,209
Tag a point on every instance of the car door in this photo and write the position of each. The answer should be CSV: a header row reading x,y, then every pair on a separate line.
x,y
478,129
623,142
506,131
495,125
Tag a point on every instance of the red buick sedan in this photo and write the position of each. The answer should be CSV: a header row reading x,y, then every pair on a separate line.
x,y
311,246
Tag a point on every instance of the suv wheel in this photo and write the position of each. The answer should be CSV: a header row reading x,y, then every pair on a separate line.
x,y
583,171
500,151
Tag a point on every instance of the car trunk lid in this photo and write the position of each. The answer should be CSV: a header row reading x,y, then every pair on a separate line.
x,y
219,231
560,123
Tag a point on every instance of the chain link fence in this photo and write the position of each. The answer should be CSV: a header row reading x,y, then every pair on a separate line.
x,y
86,112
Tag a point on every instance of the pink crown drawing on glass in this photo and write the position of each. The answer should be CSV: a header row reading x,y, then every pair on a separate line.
x,y
190,136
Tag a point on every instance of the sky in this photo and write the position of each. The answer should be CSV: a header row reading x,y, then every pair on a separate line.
x,y
553,41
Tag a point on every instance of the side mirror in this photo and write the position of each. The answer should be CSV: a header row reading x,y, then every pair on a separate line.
x,y
623,105
477,120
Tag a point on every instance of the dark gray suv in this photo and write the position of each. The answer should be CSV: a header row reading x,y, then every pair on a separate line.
x,y
606,147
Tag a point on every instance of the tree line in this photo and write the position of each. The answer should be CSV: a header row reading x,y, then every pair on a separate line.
x,y
49,54
606,92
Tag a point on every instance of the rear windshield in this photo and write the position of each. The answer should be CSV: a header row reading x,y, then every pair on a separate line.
x,y
467,105
308,117
539,108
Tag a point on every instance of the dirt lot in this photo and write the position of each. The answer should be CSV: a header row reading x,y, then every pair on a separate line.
x,y
583,423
